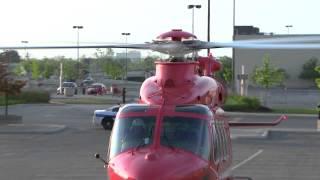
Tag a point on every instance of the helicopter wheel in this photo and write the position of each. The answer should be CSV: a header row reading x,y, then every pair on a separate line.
x,y
107,123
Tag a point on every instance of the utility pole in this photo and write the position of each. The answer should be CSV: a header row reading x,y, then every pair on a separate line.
x,y
78,28
208,38
126,65
288,28
234,33
192,6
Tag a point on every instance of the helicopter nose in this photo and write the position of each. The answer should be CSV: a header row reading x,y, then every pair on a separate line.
x,y
160,165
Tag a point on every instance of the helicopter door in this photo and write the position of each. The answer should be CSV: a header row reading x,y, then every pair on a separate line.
x,y
214,152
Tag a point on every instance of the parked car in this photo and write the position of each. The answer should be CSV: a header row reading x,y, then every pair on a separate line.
x,y
86,83
97,89
72,85
105,118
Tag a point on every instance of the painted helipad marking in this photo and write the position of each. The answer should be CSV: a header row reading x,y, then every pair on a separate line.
x,y
247,160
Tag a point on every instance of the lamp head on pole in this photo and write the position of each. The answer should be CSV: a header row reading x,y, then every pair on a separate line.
x,y
198,6
125,34
77,27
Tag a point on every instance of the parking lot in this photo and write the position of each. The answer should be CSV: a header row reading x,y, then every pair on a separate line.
x,y
67,153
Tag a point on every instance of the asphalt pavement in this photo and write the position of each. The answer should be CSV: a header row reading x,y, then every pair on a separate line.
x,y
57,141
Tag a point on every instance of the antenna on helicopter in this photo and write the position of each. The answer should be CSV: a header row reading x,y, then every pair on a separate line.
x,y
97,156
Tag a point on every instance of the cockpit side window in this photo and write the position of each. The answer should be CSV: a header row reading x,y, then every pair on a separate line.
x,y
131,132
190,134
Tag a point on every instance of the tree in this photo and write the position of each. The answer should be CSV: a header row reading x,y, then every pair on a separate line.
x,y
226,72
49,67
113,68
70,69
318,79
267,76
148,63
11,55
8,86
35,69
308,69
101,54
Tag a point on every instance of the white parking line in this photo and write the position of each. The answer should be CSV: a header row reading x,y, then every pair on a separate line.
x,y
247,160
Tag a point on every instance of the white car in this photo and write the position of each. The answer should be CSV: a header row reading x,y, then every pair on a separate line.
x,y
105,118
72,85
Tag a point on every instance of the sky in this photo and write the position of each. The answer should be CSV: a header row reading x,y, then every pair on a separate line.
x,y
50,22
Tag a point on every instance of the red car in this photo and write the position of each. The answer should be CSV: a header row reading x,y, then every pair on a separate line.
x,y
97,89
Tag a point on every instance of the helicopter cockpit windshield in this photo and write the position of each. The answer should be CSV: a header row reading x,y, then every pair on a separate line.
x,y
184,128
133,132
190,134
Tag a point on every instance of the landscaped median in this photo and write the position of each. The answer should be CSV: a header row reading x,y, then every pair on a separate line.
x,y
233,103
85,99
26,97
252,104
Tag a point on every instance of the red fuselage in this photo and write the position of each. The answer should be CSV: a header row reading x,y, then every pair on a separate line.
x,y
178,83
174,86
199,153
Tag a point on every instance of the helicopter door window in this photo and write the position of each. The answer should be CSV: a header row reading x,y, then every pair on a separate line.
x,y
224,144
214,142
131,132
219,143
186,133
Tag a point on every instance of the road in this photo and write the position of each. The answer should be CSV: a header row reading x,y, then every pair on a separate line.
x,y
69,154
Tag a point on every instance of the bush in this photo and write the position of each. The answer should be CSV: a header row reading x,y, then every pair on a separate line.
x,y
242,103
28,97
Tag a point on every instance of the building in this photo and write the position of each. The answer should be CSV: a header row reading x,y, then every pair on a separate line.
x,y
289,60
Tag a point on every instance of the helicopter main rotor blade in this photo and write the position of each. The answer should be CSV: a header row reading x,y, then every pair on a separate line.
x,y
130,46
291,39
241,45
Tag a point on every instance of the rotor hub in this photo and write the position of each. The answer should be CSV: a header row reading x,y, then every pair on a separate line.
x,y
176,35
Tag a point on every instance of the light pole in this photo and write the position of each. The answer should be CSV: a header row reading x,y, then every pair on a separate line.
x,y
78,28
192,6
208,33
26,42
126,34
234,33
288,28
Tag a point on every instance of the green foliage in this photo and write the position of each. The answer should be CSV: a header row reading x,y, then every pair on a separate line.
x,y
242,103
317,80
35,69
8,85
308,69
226,73
100,53
28,97
47,67
70,69
113,68
50,67
27,65
267,75
19,70
148,63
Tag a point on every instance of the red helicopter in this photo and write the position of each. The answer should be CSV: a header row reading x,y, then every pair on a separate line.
x,y
175,131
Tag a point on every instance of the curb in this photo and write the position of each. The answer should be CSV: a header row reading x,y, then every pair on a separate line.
x,y
269,114
270,133
31,128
